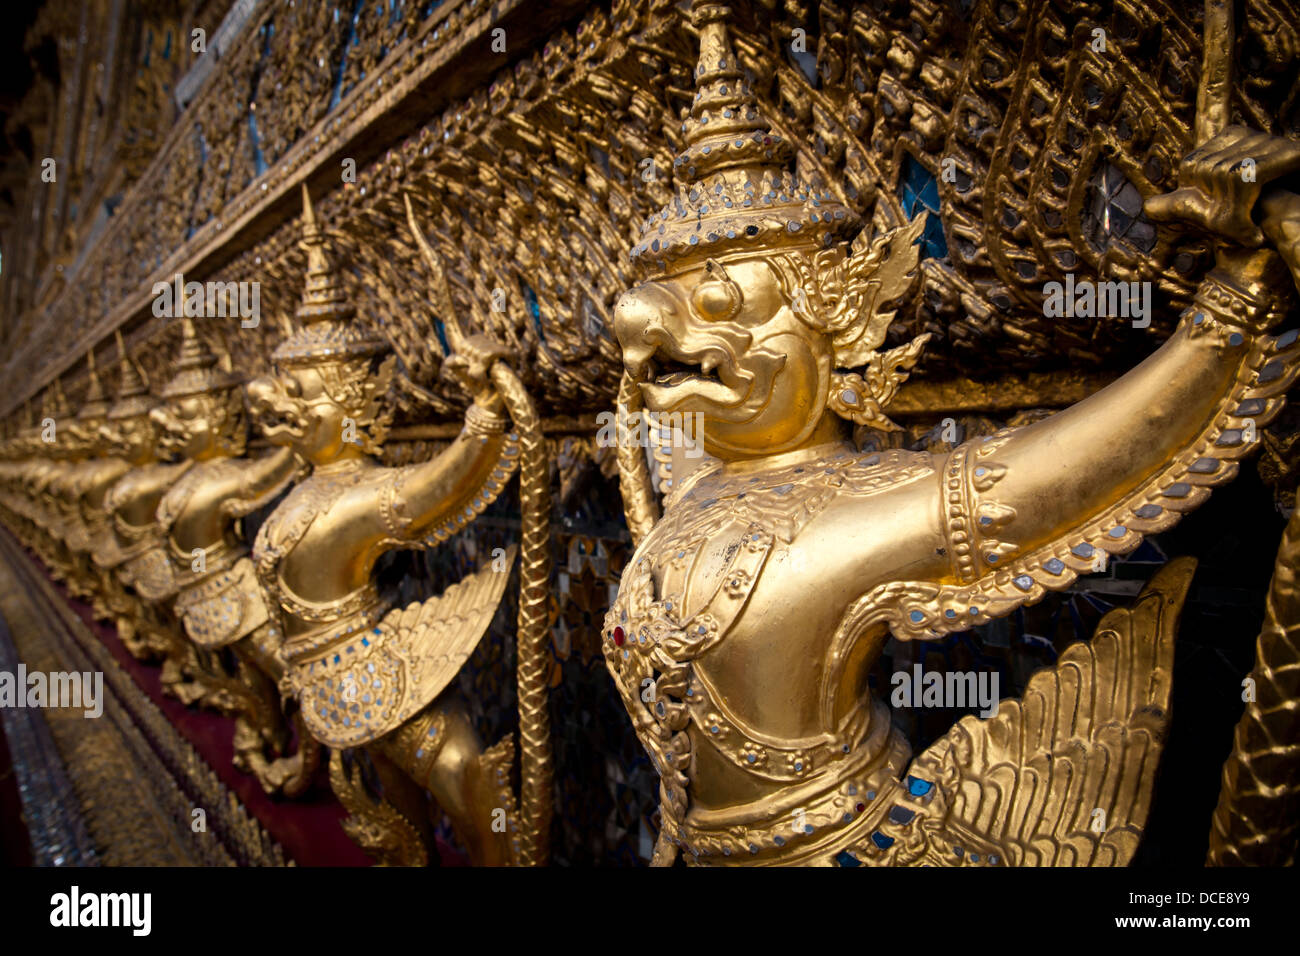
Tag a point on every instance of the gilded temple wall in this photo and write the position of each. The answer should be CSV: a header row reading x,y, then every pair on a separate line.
x,y
533,139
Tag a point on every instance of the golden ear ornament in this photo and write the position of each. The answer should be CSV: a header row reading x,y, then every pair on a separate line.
x,y
862,397
857,299
359,389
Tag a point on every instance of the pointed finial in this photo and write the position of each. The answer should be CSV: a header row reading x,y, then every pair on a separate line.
x,y
196,367
308,213
95,404
328,332
132,390
225,361
96,387
734,188
60,407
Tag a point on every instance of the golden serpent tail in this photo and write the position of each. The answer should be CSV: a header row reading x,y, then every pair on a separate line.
x,y
533,638
1255,823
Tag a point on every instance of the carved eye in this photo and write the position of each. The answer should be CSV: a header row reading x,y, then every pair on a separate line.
x,y
292,388
717,297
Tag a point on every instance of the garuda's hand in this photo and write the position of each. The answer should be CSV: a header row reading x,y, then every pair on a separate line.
x,y
471,366
1230,187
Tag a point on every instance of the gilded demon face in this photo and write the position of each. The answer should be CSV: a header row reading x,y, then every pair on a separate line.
x,y
295,409
134,437
85,433
725,341
192,425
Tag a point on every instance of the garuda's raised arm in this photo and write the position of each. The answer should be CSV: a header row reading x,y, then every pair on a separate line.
x,y
749,619
316,556
436,499
1029,509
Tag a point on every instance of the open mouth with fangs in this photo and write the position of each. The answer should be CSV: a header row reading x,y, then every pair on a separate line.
x,y
281,419
707,380
667,371
673,377
281,426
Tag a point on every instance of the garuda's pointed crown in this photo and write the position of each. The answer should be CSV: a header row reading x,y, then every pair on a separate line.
x,y
328,331
96,403
198,370
133,396
734,188
54,403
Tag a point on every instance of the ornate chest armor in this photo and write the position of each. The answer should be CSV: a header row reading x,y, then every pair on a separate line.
x,y
364,668
222,601
223,607
654,636
151,573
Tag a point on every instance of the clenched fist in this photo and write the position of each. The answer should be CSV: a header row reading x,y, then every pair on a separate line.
x,y
1229,186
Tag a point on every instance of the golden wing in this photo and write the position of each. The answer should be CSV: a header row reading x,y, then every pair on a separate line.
x,y
1062,776
441,633
355,694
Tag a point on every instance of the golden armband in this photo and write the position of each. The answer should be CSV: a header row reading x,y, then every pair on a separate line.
x,y
482,422
1232,309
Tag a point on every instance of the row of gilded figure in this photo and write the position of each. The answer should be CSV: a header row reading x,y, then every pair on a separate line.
x,y
136,504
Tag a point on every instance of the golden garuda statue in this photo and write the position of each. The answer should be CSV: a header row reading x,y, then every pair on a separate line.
x,y
98,476
130,507
370,675
202,577
78,493
752,611
22,463
37,463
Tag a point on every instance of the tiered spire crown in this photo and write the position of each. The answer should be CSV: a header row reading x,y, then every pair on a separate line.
x,y
132,391
328,332
734,188
197,369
